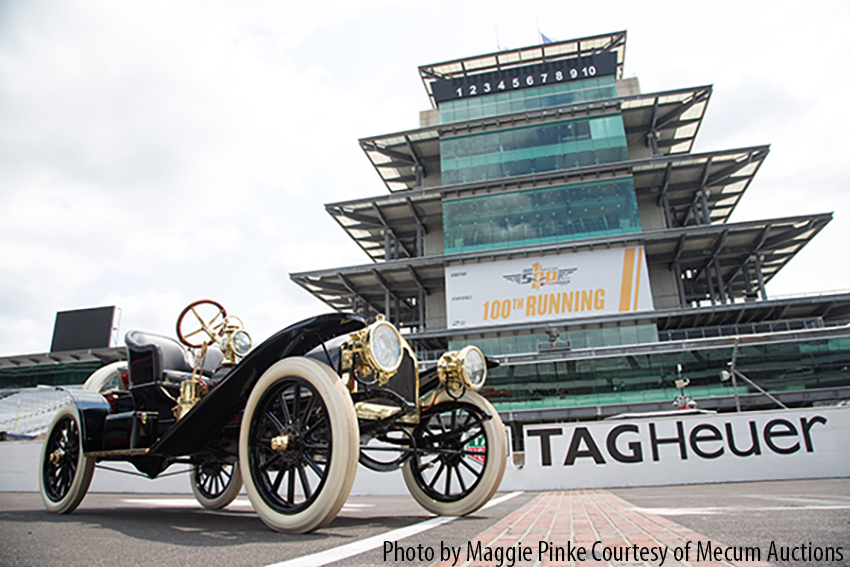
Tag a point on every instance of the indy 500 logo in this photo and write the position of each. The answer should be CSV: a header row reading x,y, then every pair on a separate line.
x,y
539,276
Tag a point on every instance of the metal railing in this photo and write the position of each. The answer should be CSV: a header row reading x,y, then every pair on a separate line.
x,y
741,329
676,346
29,411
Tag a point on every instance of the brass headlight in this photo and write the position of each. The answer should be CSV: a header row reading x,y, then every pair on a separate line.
x,y
235,341
374,351
240,342
465,368
384,347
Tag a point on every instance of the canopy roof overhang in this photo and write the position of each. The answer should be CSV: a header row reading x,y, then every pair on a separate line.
x,y
666,122
100,355
830,308
698,252
677,182
508,58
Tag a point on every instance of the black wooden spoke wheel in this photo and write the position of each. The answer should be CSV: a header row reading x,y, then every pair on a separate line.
x,y
298,445
454,453
460,456
64,472
216,484
293,445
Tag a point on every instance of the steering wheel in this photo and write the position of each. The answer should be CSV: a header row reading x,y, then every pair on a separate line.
x,y
207,316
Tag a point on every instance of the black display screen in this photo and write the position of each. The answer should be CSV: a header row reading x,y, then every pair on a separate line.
x,y
529,76
83,329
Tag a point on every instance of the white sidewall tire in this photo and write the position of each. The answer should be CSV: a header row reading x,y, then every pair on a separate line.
x,y
101,376
345,446
84,471
228,495
497,454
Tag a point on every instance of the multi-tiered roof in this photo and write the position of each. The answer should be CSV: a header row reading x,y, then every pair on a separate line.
x,y
695,192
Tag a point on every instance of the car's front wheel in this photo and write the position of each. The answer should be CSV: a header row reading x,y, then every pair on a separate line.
x,y
461,450
298,445
64,471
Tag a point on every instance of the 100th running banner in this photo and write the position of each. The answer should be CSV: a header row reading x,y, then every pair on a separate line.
x,y
548,288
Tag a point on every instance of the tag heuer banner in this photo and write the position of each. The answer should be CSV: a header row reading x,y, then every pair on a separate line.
x,y
553,287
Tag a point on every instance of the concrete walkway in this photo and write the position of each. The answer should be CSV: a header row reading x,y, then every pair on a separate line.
x,y
580,527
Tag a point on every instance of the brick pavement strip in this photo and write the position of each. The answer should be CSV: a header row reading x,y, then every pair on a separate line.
x,y
571,520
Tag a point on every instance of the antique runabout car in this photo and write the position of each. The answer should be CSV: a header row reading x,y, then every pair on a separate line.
x,y
290,418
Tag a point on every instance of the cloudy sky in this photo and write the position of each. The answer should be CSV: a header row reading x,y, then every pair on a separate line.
x,y
153,153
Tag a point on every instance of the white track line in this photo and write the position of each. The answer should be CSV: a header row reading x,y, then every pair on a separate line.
x,y
730,509
370,543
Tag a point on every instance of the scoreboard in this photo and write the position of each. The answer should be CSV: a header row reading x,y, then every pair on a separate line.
x,y
529,76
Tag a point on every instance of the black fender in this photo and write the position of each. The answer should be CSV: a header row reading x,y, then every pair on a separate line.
x,y
218,408
93,409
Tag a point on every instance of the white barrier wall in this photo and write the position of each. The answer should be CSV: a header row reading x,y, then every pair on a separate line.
x,y
19,473
772,445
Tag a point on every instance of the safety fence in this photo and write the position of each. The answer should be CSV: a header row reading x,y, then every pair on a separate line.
x,y
27,412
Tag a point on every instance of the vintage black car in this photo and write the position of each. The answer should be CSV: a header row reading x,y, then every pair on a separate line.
x,y
290,418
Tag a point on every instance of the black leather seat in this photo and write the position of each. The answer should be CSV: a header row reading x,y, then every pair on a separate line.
x,y
153,357
157,366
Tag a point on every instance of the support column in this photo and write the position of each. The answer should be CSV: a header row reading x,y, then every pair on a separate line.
x,y
721,288
695,209
760,277
681,284
703,199
667,215
710,284
418,173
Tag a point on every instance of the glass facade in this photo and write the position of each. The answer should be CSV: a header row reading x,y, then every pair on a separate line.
x,y
588,209
587,338
540,216
508,102
58,375
533,149
638,378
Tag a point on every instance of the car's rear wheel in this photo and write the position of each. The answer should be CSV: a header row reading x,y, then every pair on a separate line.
x,y
64,471
460,458
106,378
216,484
298,445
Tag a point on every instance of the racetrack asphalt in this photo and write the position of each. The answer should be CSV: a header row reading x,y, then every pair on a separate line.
x,y
797,517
